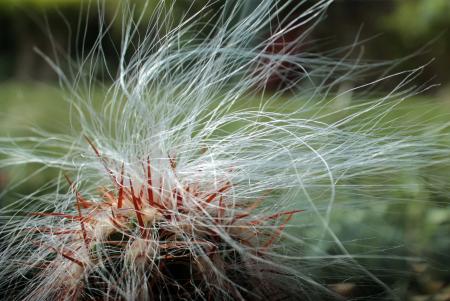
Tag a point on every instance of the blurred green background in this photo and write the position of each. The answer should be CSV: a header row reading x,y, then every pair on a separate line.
x,y
392,29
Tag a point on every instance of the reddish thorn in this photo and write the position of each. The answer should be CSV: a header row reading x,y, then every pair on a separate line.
x,y
92,146
66,232
141,192
137,206
120,197
104,162
108,197
249,209
276,215
83,228
221,190
85,204
279,230
211,197
134,197
81,264
76,261
160,207
221,208
113,220
239,216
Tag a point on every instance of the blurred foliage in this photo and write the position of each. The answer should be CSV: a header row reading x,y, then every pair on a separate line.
x,y
65,29
24,108
40,3
145,7
419,18
393,30
424,25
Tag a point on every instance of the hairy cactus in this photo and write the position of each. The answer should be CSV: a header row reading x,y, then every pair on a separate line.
x,y
184,183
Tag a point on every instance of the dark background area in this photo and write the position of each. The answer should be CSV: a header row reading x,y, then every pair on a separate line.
x,y
390,29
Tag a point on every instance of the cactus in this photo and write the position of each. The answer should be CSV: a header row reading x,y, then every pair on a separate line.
x,y
184,183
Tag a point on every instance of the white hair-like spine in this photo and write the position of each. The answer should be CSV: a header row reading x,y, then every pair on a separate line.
x,y
199,174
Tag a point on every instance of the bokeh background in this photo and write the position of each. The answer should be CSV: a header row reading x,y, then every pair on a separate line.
x,y
390,29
